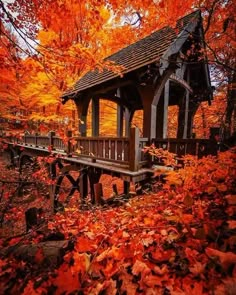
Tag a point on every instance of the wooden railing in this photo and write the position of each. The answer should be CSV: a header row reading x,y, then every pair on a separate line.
x,y
119,150
192,146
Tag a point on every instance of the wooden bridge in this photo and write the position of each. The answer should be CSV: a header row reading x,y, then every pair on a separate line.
x,y
166,68
122,157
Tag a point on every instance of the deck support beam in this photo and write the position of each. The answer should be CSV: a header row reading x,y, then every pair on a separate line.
x,y
93,176
83,185
126,187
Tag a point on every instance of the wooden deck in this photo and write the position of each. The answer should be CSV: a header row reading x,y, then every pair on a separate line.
x,y
91,157
111,153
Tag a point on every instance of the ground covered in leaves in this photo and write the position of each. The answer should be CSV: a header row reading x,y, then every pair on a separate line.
x,y
179,240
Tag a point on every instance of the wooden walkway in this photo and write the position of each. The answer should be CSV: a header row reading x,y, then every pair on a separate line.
x,y
121,152
121,157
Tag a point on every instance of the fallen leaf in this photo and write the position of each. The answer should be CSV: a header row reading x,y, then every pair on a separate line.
x,y
140,267
226,258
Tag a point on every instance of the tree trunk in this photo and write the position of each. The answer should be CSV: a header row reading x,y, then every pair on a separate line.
x,y
230,124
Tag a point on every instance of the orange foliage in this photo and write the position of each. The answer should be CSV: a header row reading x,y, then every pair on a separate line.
x,y
176,240
54,42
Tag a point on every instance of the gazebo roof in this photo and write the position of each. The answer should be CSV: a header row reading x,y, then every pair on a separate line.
x,y
141,53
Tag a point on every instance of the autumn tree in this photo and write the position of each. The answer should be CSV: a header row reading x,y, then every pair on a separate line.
x,y
9,73
220,25
67,38
60,50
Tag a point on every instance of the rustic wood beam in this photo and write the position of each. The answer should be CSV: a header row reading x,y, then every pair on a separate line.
x,y
165,110
134,149
120,115
126,187
95,116
82,110
186,107
193,106
159,118
178,43
83,185
103,89
127,115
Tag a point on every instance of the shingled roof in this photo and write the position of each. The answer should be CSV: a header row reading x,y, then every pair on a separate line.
x,y
143,52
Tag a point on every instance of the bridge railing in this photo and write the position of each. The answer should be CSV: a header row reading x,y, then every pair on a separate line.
x,y
101,148
192,146
127,151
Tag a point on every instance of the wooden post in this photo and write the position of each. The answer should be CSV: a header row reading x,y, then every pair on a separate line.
x,y
83,125
186,115
166,104
94,175
120,115
181,116
69,146
160,117
126,186
50,135
95,116
186,109
193,106
119,121
98,192
127,122
149,120
134,149
83,185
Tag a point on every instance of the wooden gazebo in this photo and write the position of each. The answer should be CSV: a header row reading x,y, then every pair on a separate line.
x,y
165,68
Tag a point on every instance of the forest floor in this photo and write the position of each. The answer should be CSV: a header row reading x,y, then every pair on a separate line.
x,y
175,241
